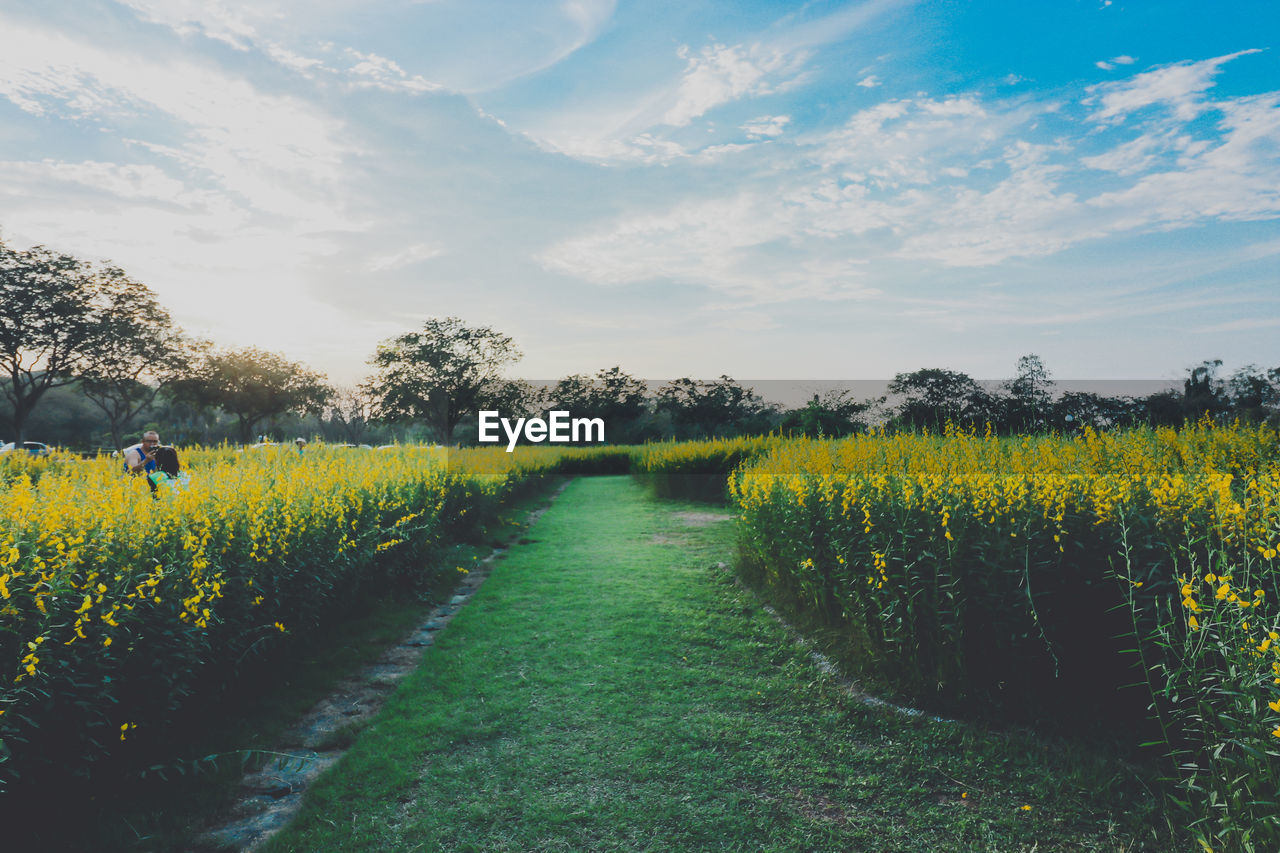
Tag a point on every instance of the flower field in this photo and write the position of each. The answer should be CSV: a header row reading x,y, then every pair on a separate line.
x,y
115,606
1081,582
1044,577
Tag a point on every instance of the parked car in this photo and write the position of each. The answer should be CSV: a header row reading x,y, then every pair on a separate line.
x,y
35,448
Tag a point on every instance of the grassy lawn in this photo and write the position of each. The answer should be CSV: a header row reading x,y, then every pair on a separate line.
x,y
610,689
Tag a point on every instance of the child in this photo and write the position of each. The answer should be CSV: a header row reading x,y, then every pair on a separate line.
x,y
168,472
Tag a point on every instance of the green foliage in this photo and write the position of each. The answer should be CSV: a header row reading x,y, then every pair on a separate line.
x,y
699,409
830,415
59,318
253,384
611,395
1215,677
443,373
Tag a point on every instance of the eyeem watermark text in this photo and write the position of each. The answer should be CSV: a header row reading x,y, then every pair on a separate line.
x,y
558,428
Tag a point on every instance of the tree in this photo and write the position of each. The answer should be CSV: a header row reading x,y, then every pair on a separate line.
x,y
833,414
1254,392
1075,410
1203,392
351,407
143,352
56,321
700,409
1030,396
934,396
441,374
618,399
253,384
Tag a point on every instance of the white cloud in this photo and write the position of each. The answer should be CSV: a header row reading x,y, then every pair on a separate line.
x,y
124,182
296,62
1179,87
958,181
236,25
722,244
1134,156
1237,177
643,148
1023,215
379,72
869,82
1241,325
905,142
719,74
766,126
408,256
275,151
627,128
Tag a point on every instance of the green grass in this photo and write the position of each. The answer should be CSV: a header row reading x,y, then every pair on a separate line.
x,y
608,688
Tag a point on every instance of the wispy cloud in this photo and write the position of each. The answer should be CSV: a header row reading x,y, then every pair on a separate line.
x,y
1242,325
379,72
408,256
234,25
1179,87
719,74
496,157
957,181
766,126
1110,64
270,149
722,244
713,76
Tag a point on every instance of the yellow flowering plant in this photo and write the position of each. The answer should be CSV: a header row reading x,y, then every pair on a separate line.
x,y
116,606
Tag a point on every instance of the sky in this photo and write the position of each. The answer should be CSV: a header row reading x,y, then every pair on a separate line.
x,y
768,190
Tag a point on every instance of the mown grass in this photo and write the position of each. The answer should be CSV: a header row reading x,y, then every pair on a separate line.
x,y
609,688
191,772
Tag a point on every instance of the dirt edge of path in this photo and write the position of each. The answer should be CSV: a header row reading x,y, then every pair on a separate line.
x,y
271,796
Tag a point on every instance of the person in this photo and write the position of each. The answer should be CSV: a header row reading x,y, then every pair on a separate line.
x,y
141,458
168,473
301,442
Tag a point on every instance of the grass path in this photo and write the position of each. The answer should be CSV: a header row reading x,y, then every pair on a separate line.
x,y
609,689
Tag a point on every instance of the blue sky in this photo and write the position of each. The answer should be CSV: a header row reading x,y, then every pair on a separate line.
x,y
768,190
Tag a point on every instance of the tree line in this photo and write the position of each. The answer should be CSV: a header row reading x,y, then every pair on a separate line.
x,y
89,356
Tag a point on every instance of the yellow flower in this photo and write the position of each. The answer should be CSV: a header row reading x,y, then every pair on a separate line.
x,y
1195,626
1024,808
